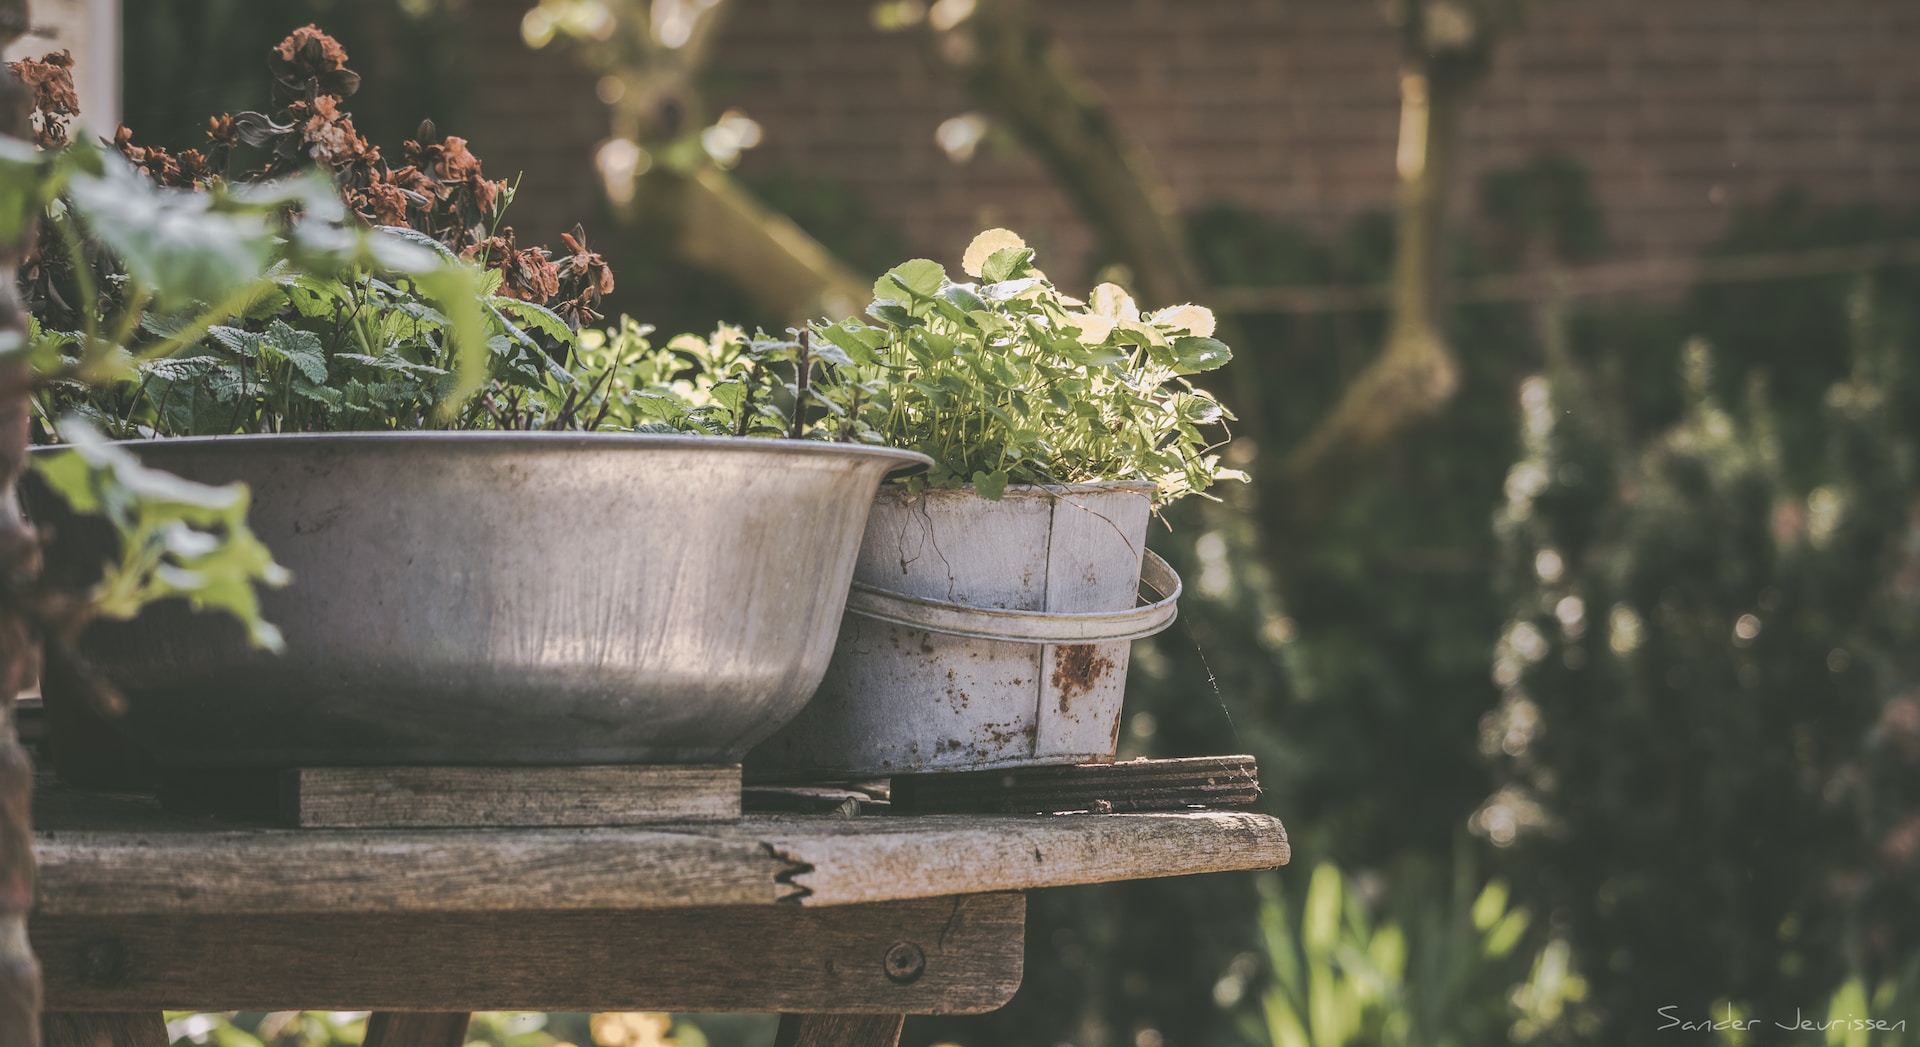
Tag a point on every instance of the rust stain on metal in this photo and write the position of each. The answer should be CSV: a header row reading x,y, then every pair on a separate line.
x,y
1076,669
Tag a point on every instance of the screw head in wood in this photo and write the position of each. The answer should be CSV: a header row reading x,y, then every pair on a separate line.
x,y
103,963
905,963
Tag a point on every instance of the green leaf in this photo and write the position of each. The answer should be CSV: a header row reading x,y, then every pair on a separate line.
x,y
177,538
990,485
300,348
1007,263
858,351
1192,355
171,241
920,276
539,317
242,343
963,298
893,314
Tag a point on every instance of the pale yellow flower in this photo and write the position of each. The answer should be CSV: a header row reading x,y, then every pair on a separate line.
x,y
1093,329
983,247
1196,320
1113,302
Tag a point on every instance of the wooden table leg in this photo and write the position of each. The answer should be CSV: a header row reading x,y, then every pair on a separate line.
x,y
103,1029
416,1029
839,1030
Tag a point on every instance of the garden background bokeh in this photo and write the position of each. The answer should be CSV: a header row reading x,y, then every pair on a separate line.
x,y
1597,679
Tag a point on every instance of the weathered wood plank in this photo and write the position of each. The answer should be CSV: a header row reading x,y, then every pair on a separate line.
x,y
857,860
839,1030
929,956
1135,785
103,1029
300,870
135,858
458,797
416,1029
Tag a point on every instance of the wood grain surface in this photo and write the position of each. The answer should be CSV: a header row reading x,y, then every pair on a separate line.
x,y
103,1029
1133,785
299,870
839,1030
931,956
103,859
443,797
858,860
416,1029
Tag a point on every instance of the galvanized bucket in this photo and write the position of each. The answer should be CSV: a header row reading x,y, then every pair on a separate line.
x,y
982,634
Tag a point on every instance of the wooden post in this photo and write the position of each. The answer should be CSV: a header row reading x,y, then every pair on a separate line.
x,y
19,973
417,1029
839,1030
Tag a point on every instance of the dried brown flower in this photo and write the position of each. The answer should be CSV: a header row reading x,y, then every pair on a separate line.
x,y
54,99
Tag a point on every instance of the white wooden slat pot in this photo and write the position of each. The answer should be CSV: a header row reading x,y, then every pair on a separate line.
x,y
982,634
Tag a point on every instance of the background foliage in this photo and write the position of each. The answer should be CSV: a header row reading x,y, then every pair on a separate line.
x,y
1690,810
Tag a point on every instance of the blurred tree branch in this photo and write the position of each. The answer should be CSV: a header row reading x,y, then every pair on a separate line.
x,y
665,166
667,180
1020,78
1445,49
1016,73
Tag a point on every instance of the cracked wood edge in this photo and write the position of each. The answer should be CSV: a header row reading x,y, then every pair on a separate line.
x,y
761,860
860,860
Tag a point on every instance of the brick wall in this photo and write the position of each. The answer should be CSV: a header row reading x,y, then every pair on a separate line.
x,y
1682,110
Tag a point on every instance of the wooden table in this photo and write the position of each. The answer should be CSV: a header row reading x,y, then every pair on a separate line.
x,y
845,925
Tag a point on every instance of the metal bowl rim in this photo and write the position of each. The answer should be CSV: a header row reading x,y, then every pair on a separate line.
x,y
1042,490
908,462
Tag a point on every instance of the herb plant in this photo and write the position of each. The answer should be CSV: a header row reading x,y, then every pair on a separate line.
x,y
359,329
1010,381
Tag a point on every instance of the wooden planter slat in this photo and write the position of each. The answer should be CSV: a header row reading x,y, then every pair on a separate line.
x,y
927,956
468,797
760,860
875,916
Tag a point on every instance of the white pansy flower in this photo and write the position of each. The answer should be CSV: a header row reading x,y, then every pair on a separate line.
x,y
983,247
1196,320
1111,301
1093,329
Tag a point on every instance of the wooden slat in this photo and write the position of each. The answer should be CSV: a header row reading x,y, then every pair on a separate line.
x,y
1137,785
181,867
103,1029
460,797
857,860
839,1030
416,1029
305,870
931,956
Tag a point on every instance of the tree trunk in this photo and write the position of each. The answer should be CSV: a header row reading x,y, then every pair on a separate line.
x,y
19,560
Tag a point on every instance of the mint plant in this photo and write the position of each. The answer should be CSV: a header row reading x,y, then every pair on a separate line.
x,y
176,538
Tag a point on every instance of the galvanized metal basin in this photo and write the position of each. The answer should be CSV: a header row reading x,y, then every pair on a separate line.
x,y
501,598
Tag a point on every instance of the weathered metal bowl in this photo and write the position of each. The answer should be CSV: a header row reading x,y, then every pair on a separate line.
x,y
499,598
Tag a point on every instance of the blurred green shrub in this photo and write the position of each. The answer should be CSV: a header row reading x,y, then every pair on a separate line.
x,y
1446,970
1710,718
